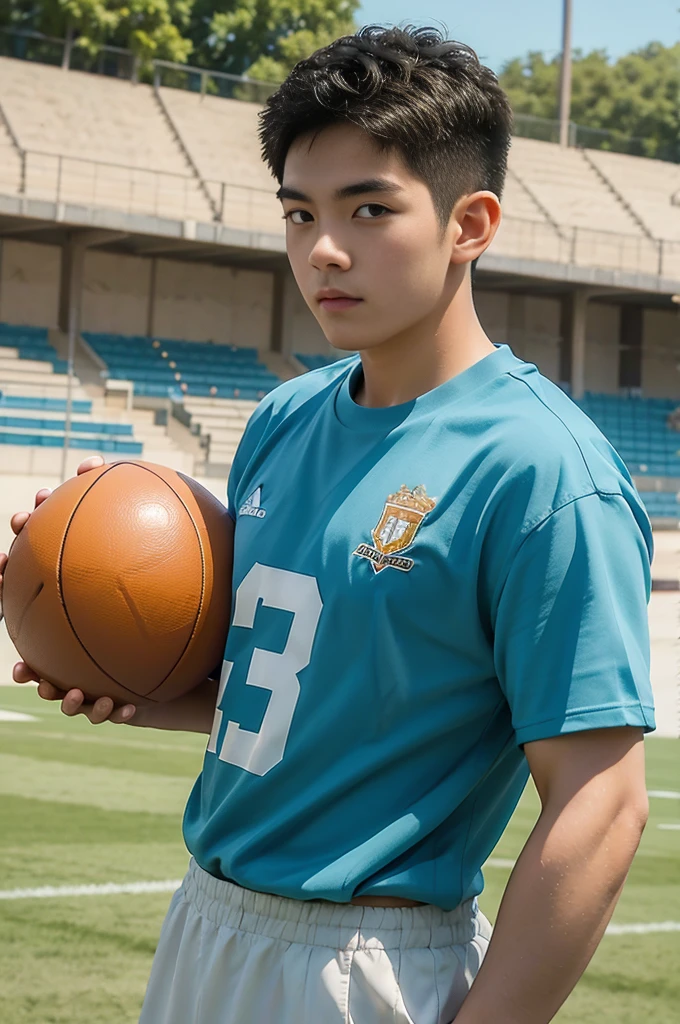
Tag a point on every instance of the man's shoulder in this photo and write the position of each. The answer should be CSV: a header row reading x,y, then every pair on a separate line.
x,y
296,392
293,397
543,430
545,452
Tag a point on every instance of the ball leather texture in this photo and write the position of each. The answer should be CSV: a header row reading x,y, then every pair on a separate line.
x,y
120,584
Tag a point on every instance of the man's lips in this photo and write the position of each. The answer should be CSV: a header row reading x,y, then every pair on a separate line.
x,y
339,302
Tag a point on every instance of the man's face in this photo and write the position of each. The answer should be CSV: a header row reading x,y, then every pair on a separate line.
x,y
358,222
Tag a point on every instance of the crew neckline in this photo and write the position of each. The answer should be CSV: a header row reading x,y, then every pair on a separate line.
x,y
385,418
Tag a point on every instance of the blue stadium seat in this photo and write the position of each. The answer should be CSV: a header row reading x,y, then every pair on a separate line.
x,y
160,367
56,440
31,343
637,428
77,426
31,403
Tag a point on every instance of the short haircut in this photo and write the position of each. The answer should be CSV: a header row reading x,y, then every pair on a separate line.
x,y
411,90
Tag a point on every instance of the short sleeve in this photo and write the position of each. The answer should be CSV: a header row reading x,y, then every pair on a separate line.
x,y
250,439
571,633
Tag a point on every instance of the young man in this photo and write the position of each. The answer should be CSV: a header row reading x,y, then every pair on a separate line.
x,y
440,585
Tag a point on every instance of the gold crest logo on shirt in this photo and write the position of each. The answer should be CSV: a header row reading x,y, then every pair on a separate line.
x,y
397,528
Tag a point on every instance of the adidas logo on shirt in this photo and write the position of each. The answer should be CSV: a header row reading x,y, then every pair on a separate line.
x,y
251,506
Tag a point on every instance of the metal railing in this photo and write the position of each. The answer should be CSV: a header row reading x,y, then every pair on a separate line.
x,y
588,247
581,136
61,178
210,83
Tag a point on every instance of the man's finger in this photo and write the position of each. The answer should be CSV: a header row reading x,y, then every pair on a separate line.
x,y
3,562
94,462
122,715
72,702
49,692
100,710
22,673
43,493
18,521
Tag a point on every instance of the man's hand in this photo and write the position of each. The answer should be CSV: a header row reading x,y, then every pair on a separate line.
x,y
72,701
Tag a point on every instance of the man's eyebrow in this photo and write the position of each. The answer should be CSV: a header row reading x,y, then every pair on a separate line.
x,y
362,188
357,188
292,193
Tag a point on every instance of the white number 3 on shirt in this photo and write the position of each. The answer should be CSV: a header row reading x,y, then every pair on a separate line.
x,y
259,752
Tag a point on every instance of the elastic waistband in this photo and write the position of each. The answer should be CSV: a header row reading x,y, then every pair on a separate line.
x,y
318,923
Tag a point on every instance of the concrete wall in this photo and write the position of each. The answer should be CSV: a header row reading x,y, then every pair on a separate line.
x,y
29,283
661,354
492,310
602,348
223,304
193,301
529,324
115,293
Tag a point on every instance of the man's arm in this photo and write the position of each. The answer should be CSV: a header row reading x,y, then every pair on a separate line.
x,y
566,883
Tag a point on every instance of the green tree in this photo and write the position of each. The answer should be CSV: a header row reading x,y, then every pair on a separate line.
x,y
150,28
265,38
637,96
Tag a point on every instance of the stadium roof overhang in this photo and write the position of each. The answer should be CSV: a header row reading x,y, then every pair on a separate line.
x,y
58,223
513,274
51,223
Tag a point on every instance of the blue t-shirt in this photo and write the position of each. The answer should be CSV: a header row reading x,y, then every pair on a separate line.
x,y
418,591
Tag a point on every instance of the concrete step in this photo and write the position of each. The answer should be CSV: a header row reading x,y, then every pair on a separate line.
x,y
38,386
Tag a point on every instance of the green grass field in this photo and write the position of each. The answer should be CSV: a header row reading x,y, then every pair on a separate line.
x,y
70,815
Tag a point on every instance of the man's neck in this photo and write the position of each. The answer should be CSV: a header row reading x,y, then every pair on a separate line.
x,y
415,362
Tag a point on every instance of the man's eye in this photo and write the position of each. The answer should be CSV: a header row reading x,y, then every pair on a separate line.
x,y
299,216
371,211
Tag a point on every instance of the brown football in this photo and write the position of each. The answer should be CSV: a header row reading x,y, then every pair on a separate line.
x,y
120,584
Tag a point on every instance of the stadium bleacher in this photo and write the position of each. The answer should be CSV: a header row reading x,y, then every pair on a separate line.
x,y
117,148
569,187
647,185
31,343
222,422
31,346
212,126
637,428
33,403
105,142
661,504
596,223
166,367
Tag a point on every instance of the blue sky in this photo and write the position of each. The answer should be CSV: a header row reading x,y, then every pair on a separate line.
x,y
501,29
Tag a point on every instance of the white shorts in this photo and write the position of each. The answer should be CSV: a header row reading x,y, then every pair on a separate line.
x,y
227,955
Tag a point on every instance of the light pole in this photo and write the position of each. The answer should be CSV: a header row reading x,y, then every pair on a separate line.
x,y
565,75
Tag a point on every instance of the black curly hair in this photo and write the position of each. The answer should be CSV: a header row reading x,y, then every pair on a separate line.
x,y
410,90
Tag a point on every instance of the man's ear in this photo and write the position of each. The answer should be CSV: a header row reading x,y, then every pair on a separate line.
x,y
477,219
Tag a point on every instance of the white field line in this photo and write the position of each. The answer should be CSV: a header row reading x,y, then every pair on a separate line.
x,y
108,889
139,888
663,794
670,828
111,741
643,929
16,716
